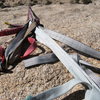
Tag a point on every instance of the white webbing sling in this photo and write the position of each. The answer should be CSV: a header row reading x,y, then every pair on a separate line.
x,y
82,48
79,73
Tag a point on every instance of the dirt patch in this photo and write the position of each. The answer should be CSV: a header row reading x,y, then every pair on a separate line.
x,y
81,22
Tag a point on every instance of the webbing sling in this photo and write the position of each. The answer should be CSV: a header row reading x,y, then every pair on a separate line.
x,y
70,64
56,91
12,31
91,94
74,44
51,58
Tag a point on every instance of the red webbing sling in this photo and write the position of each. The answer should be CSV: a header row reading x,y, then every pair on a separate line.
x,y
10,31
